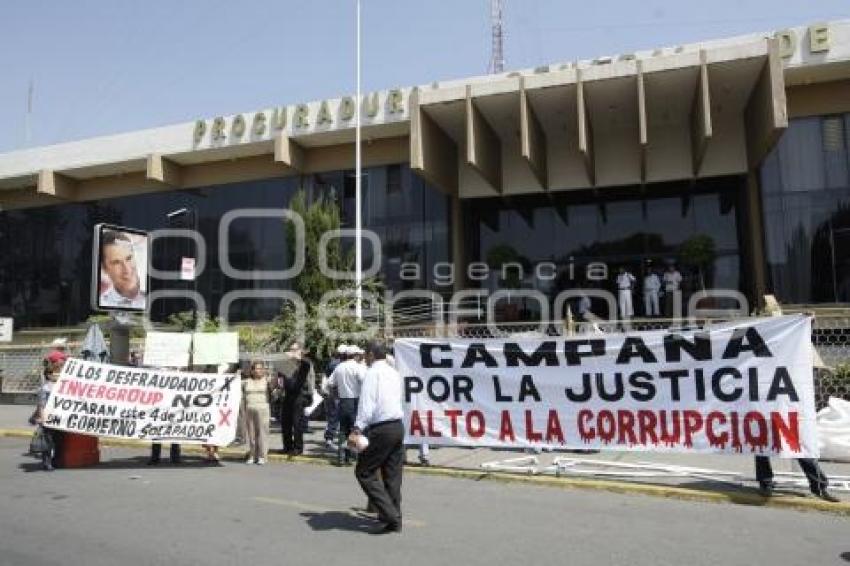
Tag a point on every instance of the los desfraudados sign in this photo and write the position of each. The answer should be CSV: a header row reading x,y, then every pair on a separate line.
x,y
159,405
731,388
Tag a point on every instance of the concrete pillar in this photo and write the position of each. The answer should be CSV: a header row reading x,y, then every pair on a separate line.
x,y
458,246
755,260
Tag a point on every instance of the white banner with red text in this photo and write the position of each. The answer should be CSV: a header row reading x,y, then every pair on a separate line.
x,y
159,405
744,387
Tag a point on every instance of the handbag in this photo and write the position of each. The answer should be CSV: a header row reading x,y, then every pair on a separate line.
x,y
40,441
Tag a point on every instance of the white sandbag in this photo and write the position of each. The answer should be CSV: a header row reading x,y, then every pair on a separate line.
x,y
834,430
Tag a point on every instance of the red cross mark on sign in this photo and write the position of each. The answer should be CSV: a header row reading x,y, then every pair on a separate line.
x,y
225,416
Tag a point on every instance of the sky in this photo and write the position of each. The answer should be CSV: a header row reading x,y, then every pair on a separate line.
x,y
107,66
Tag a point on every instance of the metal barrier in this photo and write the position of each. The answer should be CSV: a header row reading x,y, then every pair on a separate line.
x,y
21,367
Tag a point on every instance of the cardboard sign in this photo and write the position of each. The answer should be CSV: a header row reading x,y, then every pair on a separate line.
x,y
167,349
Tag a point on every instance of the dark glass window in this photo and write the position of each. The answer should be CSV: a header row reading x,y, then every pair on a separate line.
x,y
806,207
45,253
625,227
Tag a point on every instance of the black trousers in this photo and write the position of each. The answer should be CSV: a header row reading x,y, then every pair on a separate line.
x,y
292,423
817,479
385,453
347,416
173,453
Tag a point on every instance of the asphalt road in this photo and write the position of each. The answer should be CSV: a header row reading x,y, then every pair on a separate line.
x,y
125,513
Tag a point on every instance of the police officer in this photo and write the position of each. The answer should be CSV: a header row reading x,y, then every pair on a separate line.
x,y
651,291
672,280
625,282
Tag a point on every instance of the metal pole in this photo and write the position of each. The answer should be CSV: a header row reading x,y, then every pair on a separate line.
x,y
358,248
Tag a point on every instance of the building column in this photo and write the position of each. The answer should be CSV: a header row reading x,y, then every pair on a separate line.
x,y
756,259
458,246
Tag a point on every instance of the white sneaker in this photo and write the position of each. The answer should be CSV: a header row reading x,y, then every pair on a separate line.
x,y
261,461
249,460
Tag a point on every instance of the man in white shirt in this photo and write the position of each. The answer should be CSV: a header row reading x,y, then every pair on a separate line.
x,y
672,279
625,282
651,290
379,417
346,379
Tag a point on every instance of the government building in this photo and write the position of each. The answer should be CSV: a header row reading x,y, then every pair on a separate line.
x,y
729,159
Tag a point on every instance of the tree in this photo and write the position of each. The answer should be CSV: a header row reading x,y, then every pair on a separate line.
x,y
311,284
699,251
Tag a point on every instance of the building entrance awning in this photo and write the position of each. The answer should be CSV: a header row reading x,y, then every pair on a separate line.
x,y
606,123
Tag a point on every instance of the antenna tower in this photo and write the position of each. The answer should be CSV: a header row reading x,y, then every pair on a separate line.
x,y
497,54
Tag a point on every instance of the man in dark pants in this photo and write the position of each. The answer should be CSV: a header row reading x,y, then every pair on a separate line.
x,y
379,417
156,451
817,479
347,380
298,393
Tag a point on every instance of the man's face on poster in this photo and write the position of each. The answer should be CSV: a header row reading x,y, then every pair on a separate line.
x,y
119,263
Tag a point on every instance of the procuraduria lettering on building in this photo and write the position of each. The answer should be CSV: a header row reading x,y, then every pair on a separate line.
x,y
313,117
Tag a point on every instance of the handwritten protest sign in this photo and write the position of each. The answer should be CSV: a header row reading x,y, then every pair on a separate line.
x,y
144,404
213,348
167,349
730,388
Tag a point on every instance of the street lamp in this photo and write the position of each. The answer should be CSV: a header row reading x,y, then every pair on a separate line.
x,y
181,212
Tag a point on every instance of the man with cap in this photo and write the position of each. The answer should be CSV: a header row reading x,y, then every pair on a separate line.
x,y
346,380
58,354
379,419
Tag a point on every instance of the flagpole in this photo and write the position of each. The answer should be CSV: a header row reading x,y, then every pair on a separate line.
x,y
358,248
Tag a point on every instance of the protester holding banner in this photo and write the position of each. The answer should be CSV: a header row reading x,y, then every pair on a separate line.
x,y
156,454
256,395
818,482
53,438
379,419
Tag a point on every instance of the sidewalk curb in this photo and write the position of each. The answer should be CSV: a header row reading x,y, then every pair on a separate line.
x,y
611,486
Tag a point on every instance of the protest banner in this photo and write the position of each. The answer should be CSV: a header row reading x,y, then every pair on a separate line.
x,y
730,388
159,405
214,348
167,349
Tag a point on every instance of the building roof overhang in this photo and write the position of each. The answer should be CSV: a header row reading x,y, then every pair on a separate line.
x,y
704,109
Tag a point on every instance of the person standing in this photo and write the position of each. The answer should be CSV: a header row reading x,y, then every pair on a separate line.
x,y
672,280
298,393
625,282
818,481
53,437
651,291
347,380
331,401
256,395
379,418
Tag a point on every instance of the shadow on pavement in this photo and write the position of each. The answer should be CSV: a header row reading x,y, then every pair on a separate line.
x,y
135,463
339,521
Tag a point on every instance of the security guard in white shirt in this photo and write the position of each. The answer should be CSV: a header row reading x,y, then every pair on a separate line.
x,y
672,279
347,379
651,290
379,417
625,282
